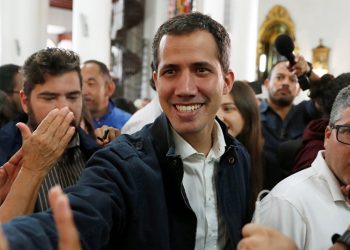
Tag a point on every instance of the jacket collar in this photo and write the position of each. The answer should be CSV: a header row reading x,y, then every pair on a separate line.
x,y
164,142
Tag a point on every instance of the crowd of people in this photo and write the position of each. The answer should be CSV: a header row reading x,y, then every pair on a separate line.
x,y
186,170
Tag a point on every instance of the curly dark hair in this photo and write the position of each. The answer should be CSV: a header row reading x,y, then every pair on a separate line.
x,y
325,90
190,22
48,62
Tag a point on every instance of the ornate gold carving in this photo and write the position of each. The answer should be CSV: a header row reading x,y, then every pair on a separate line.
x,y
277,21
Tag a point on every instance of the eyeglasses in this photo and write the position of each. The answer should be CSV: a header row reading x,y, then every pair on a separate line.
x,y
343,133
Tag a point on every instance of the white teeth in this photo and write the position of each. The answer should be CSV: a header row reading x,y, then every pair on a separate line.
x,y
188,108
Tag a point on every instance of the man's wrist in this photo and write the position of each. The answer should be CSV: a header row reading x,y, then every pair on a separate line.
x,y
344,239
33,173
308,73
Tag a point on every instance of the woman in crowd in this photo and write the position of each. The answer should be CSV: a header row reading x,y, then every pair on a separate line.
x,y
239,111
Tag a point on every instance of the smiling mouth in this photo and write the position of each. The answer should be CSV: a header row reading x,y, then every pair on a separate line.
x,y
188,108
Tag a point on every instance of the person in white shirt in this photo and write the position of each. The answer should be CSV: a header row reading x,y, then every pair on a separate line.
x,y
142,117
310,206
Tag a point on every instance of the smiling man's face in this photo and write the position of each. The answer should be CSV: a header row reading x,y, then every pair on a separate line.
x,y
190,82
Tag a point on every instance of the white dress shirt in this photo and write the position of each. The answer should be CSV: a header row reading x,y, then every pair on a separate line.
x,y
142,117
199,185
308,207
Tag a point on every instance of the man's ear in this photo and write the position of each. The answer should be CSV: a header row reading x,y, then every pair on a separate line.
x,y
155,79
228,79
266,83
110,88
24,101
327,135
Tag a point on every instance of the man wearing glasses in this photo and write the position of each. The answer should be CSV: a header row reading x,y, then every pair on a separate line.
x,y
313,204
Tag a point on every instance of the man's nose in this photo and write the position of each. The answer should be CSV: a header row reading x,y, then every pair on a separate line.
x,y
186,84
84,90
62,102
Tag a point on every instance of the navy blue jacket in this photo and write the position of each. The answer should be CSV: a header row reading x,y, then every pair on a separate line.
x,y
11,140
130,196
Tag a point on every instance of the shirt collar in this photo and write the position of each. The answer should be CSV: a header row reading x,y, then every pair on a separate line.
x,y
263,106
326,173
184,149
75,141
109,111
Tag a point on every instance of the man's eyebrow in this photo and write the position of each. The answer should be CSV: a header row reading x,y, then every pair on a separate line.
x,y
202,64
91,79
76,92
169,66
48,93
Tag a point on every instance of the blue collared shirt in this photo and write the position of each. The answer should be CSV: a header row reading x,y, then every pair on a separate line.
x,y
276,131
115,117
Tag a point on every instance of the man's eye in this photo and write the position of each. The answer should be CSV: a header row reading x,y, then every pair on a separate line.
x,y
73,97
294,79
202,71
344,130
169,72
48,98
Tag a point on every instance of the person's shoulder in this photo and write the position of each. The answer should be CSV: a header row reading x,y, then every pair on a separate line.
x,y
121,113
10,140
295,184
263,106
127,144
140,118
8,128
11,125
87,143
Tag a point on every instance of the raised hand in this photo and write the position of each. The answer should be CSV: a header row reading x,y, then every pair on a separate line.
x,y
42,148
301,66
106,134
67,232
8,173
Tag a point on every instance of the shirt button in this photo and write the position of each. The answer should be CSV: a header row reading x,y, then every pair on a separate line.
x,y
139,145
231,160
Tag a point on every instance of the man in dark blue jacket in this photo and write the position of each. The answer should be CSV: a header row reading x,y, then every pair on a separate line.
x,y
179,183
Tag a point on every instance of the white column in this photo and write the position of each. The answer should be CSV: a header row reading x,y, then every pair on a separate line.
x,y
91,29
214,9
22,29
240,18
244,35
154,17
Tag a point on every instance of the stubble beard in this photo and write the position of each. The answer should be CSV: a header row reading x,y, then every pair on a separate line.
x,y
281,101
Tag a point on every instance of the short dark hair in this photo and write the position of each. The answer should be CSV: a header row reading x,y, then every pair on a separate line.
x,y
103,67
188,23
7,77
273,67
49,62
8,110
